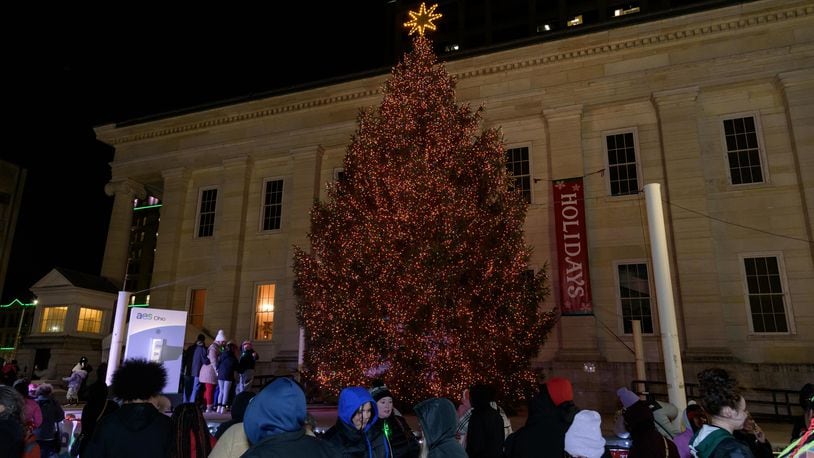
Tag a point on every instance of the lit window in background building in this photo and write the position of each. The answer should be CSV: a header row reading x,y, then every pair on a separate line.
x,y
53,319
577,20
264,310
90,320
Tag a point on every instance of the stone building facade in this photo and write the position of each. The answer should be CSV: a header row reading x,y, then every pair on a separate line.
x,y
717,106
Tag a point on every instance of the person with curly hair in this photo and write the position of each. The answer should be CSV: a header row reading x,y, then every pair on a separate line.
x,y
137,429
726,410
192,438
11,427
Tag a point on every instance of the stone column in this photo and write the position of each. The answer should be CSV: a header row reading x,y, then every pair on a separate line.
x,y
577,337
798,92
165,265
690,239
114,264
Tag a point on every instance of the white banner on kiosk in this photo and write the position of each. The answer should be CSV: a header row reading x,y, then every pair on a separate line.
x,y
158,335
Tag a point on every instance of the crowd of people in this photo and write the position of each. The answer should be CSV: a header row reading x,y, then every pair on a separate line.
x,y
275,421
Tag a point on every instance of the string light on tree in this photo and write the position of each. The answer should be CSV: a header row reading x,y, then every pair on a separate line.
x,y
422,19
417,266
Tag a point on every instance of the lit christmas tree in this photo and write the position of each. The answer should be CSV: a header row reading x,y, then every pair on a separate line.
x,y
417,270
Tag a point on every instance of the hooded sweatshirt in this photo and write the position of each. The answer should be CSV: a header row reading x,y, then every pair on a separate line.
x,y
273,423
438,422
134,430
544,433
714,442
368,443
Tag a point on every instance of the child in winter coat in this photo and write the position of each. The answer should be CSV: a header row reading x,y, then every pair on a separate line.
x,y
78,375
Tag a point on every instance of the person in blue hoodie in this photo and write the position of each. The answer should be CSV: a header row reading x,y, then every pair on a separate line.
x,y
352,433
273,423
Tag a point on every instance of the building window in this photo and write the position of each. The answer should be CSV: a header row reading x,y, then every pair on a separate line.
x,y
197,302
765,294
339,174
206,212
272,204
622,169
742,150
517,162
264,307
53,319
634,296
90,320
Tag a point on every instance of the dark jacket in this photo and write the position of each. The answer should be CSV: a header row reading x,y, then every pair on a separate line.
x,y
227,366
294,444
438,421
248,359
52,414
11,436
402,441
134,430
484,437
97,407
199,358
758,449
714,442
544,433
239,406
273,422
647,441
368,443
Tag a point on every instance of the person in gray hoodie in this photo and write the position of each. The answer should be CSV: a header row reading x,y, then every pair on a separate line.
x,y
438,421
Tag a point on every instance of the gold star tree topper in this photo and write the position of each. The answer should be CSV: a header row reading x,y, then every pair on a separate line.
x,y
422,19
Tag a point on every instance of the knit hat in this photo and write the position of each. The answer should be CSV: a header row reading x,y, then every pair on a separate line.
x,y
560,390
246,343
201,338
584,437
221,337
380,391
627,397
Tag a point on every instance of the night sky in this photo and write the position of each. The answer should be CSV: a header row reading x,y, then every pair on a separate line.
x,y
76,70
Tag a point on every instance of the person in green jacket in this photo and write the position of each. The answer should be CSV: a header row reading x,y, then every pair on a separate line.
x,y
726,409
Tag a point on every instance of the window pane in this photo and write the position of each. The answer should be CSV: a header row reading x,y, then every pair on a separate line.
x,y
197,304
264,312
634,294
53,319
272,205
622,164
206,214
517,163
765,294
90,320
743,152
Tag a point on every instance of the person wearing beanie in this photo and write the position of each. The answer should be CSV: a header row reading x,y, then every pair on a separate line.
x,y
245,367
400,438
584,438
543,436
627,397
208,374
353,434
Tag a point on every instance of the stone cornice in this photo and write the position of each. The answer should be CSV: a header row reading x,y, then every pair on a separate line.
x,y
569,111
689,31
127,187
795,78
676,96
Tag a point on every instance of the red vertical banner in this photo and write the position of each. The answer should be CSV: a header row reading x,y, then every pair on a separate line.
x,y
572,247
